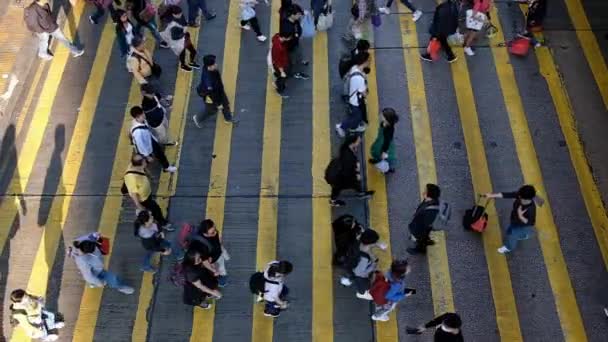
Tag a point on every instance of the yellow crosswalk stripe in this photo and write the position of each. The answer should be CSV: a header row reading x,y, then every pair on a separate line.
x,y
500,279
35,133
567,308
202,321
590,47
84,330
565,115
441,284
166,186
46,253
378,204
29,99
322,277
266,249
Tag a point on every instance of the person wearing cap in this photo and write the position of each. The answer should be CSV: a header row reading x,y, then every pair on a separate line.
x,y
448,328
144,69
211,89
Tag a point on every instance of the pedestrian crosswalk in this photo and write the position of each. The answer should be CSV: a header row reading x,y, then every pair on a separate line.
x,y
563,272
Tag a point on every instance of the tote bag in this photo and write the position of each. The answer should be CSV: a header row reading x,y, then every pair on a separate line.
x,y
308,26
326,20
475,22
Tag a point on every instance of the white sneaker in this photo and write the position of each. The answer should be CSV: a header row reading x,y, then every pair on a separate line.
x,y
346,281
46,57
171,169
360,128
340,131
606,311
416,15
469,51
51,337
78,53
503,250
365,296
126,290
59,325
261,38
380,318
384,10
246,27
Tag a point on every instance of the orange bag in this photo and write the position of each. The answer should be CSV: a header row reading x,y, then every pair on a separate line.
x,y
104,245
519,46
433,48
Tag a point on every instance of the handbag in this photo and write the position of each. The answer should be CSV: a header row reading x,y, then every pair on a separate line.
x,y
104,245
433,48
308,26
326,19
376,20
475,22
147,14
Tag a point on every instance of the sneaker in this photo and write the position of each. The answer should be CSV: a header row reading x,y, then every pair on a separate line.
x,y
384,10
168,98
606,311
168,227
92,21
469,51
340,131
246,27
51,337
382,318
211,16
365,296
453,59
272,315
185,68
171,169
126,290
361,128
430,242
301,76
416,15
259,298
93,286
148,269
337,203
205,306
78,53
345,281
196,122
46,57
194,24
426,57
222,281
503,250
194,65
232,120
365,194
261,38
59,325
171,143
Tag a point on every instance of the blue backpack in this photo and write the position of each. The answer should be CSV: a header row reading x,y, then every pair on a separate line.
x,y
308,26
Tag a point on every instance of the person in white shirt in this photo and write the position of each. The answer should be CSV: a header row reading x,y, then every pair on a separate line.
x,y
144,141
275,291
355,89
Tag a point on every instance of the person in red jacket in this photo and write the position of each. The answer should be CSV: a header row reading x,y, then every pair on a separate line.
x,y
280,60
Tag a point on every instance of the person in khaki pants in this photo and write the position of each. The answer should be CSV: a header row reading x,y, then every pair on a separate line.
x,y
156,115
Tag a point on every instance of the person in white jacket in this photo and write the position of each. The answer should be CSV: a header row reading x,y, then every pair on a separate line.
x,y
178,38
249,20
89,261
275,291
28,313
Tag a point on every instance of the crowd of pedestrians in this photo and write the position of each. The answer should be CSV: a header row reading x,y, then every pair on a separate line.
x,y
198,250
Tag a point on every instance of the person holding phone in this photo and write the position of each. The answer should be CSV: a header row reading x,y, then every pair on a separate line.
x,y
395,277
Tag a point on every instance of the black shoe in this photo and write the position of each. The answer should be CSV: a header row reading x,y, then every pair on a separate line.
x,y
305,62
211,16
452,59
185,68
301,75
193,24
430,242
366,194
373,161
337,203
194,65
231,120
391,170
426,57
164,45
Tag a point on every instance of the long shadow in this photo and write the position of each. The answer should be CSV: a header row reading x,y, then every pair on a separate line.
x,y
52,177
69,14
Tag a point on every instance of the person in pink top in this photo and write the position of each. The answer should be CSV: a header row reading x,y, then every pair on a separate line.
x,y
479,6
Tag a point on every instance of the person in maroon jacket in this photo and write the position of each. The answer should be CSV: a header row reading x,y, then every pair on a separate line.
x,y
280,60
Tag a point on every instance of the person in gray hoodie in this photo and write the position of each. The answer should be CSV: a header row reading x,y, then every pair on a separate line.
x,y
89,261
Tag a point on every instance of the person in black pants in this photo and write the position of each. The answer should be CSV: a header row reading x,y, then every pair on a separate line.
x,y
445,23
448,328
344,172
211,89
145,142
425,215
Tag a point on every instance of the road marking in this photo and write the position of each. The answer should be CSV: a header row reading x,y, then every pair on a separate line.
x,y
565,301
29,99
266,249
590,47
507,318
35,133
441,284
322,270
53,229
378,204
202,321
565,114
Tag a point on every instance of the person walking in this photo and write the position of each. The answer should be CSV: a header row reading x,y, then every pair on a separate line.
x,y
361,263
317,7
89,260
144,69
280,60
178,38
445,23
144,142
193,8
523,216
29,314
360,25
125,32
140,10
396,290
275,290
290,27
249,18
355,89
344,172
209,243
156,115
138,188
347,231
448,328
39,20
200,284
422,223
101,6
480,11
152,239
383,148
416,13
211,89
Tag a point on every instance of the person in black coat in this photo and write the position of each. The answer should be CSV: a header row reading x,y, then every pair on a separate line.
x,y
346,233
448,328
425,215
445,23
211,89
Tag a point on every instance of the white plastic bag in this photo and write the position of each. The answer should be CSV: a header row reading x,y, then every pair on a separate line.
x,y
326,20
382,166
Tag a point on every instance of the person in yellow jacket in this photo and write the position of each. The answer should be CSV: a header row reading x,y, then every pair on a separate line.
x,y
28,313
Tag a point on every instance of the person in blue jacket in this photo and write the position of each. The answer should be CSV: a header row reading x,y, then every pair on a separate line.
x,y
396,292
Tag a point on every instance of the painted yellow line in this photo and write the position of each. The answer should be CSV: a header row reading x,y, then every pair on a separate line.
x,y
378,204
266,249
500,279
47,249
441,284
590,47
202,321
33,140
322,271
565,114
29,99
565,301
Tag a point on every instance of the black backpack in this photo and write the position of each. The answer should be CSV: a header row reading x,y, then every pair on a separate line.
x,y
333,170
344,65
257,283
354,255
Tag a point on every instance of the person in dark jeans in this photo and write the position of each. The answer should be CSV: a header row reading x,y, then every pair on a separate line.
x,y
290,26
445,23
144,142
193,7
136,6
101,7
344,172
416,14
523,216
211,89
425,215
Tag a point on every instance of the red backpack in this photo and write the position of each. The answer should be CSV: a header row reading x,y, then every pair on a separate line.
x,y
379,289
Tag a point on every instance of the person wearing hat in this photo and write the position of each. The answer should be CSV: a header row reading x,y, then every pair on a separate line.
x,y
211,89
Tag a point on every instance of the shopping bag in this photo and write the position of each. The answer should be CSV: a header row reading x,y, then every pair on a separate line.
x,y
104,245
308,26
519,46
433,49
475,22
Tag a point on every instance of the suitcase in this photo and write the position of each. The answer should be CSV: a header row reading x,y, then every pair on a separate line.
x,y
476,218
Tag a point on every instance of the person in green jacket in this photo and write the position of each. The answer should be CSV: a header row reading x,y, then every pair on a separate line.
x,y
383,148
